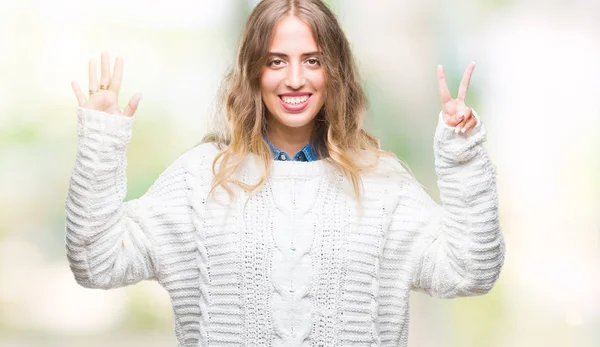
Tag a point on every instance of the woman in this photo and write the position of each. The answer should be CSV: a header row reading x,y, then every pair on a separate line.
x,y
289,226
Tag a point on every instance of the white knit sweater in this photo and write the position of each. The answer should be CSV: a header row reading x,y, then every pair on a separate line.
x,y
300,263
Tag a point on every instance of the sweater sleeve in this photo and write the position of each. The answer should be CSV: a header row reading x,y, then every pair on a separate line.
x,y
457,248
109,242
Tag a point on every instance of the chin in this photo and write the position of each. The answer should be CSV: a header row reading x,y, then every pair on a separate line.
x,y
294,120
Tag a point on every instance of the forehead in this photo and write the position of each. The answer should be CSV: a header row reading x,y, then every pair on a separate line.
x,y
292,35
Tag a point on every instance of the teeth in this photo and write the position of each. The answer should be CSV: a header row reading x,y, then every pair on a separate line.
x,y
294,100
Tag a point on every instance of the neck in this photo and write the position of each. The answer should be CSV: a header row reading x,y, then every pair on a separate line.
x,y
290,140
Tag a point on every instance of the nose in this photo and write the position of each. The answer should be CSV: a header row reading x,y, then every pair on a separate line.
x,y
295,76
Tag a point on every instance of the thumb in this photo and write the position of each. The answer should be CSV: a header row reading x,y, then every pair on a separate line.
x,y
132,105
456,118
452,120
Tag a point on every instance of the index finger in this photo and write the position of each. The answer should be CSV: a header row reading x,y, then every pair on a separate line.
x,y
442,85
117,76
464,84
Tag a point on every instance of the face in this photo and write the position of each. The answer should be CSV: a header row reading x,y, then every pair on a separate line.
x,y
293,81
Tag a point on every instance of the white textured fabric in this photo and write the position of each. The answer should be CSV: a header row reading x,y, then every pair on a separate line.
x,y
299,263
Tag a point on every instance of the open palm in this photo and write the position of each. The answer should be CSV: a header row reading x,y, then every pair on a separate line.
x,y
105,96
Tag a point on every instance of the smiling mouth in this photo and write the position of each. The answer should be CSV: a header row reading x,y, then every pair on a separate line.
x,y
295,103
294,100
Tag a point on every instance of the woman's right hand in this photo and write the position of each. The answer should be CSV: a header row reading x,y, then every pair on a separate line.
x,y
105,96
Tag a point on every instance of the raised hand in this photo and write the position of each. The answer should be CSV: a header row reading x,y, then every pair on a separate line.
x,y
105,97
455,112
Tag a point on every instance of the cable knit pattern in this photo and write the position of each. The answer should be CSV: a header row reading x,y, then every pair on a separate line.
x,y
297,263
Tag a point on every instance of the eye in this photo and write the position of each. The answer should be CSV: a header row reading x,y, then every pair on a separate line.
x,y
276,62
313,62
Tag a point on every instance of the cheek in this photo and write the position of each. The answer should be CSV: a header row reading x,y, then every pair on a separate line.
x,y
317,80
322,80
268,82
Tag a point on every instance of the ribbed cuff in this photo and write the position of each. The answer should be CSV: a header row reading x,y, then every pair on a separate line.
x,y
92,123
457,147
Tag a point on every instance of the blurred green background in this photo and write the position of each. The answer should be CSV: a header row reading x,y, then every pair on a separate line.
x,y
536,87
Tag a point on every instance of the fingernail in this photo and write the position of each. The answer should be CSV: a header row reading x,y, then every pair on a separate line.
x,y
463,130
456,129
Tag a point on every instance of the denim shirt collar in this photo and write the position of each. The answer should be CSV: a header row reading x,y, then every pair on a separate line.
x,y
307,153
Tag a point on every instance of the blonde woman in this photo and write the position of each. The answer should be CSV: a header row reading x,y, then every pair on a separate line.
x,y
288,225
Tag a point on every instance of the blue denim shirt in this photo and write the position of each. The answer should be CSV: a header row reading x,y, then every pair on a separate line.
x,y
307,153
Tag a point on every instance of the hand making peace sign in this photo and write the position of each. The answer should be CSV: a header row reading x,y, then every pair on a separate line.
x,y
455,112
106,96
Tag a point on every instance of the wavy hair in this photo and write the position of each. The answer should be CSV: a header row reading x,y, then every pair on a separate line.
x,y
338,136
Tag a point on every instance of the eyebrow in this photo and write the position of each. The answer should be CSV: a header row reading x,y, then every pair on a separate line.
x,y
283,55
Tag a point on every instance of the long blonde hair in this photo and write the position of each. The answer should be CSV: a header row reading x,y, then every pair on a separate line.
x,y
338,136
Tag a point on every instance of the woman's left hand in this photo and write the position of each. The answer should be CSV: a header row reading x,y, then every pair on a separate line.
x,y
455,112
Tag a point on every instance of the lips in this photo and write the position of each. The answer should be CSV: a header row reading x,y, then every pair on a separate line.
x,y
295,102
